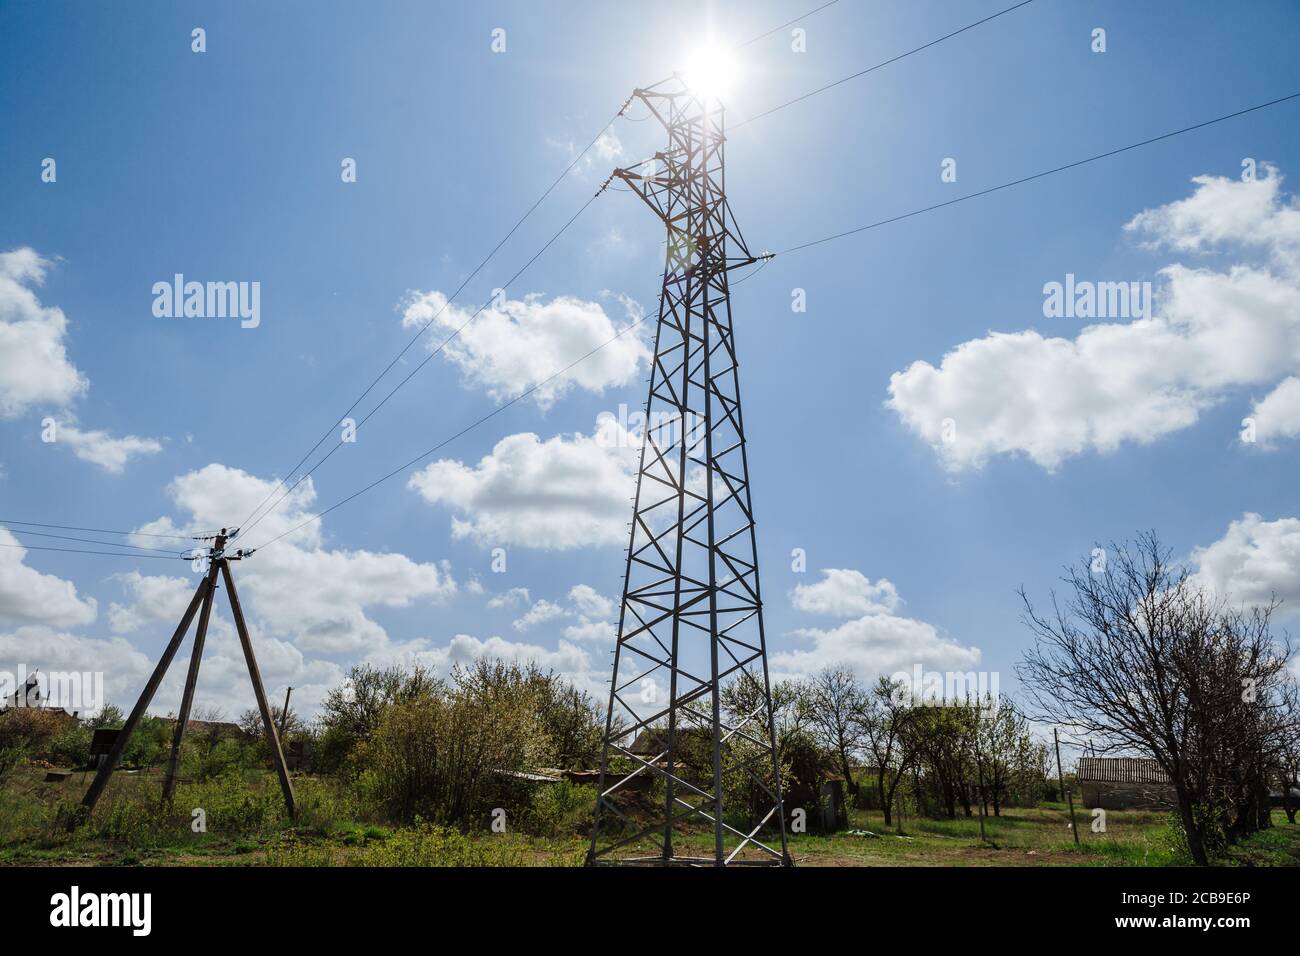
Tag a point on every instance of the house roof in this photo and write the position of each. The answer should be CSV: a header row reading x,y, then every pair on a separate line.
x,y
1120,770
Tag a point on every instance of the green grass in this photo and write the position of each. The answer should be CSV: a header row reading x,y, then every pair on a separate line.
x,y
1039,836
247,825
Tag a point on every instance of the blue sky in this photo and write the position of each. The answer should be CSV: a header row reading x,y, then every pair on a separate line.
x,y
225,166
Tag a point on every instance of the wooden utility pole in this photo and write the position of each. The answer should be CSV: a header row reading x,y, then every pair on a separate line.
x,y
219,563
146,697
192,676
273,739
1060,776
284,712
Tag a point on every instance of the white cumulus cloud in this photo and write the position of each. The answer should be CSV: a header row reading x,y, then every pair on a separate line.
x,y
1254,561
591,603
1051,398
297,588
100,448
511,598
35,370
1277,415
567,659
843,592
539,613
588,614
29,597
34,364
557,494
524,342
47,649
874,641
153,598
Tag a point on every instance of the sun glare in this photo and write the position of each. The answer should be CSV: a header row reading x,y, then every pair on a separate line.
x,y
710,71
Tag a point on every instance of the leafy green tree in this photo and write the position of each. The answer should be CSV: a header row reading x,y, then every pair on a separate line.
x,y
351,712
451,754
886,717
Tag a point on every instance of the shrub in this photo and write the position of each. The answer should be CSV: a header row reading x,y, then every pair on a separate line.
x,y
449,754
231,805
10,757
559,810
150,744
30,730
207,758
566,726
430,845
350,713
72,747
440,758
1208,821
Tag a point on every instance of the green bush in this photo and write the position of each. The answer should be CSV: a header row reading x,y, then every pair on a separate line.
x,y
445,759
72,747
453,753
427,844
10,757
559,810
566,726
231,805
150,744
350,713
29,730
134,815
132,821
1213,835
322,801
206,758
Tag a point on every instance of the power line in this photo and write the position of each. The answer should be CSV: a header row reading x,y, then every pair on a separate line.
x,y
788,23
329,430
802,246
66,527
1044,173
428,358
766,259
531,209
797,248
245,525
108,544
872,69
115,554
248,522
446,441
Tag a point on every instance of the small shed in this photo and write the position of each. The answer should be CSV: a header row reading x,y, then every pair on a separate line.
x,y
642,782
1124,783
101,742
300,755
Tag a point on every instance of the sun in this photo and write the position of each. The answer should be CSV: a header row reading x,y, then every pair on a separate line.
x,y
710,71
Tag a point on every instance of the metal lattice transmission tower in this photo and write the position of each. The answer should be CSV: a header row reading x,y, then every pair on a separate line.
x,y
690,734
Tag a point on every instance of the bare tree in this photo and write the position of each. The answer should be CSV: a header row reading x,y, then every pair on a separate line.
x,y
1146,661
250,722
832,704
1287,773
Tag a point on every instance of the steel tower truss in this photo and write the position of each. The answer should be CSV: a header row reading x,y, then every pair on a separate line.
x,y
690,734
